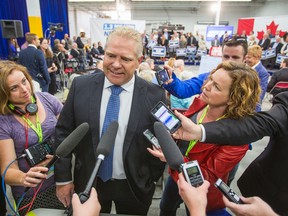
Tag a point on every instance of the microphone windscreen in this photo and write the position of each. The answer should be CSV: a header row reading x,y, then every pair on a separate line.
x,y
71,141
107,140
169,148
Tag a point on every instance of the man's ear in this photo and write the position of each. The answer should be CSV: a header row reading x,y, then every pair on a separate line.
x,y
140,59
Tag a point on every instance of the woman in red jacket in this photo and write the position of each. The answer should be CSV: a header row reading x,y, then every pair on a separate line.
x,y
231,91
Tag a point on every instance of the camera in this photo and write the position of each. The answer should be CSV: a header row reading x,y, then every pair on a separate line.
x,y
192,173
37,153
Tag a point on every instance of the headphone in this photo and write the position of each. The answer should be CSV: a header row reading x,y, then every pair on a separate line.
x,y
30,108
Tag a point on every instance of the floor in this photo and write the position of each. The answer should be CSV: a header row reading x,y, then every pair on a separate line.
x,y
258,147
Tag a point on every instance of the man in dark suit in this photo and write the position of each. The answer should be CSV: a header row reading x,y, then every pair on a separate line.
x,y
277,45
267,175
281,75
135,171
264,42
33,59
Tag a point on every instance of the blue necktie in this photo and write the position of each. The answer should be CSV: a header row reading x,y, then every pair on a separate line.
x,y
112,113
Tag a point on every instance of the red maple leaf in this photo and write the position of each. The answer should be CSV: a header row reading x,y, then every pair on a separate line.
x,y
282,33
260,34
272,27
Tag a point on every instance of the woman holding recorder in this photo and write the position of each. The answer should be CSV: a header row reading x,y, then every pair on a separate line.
x,y
231,91
26,119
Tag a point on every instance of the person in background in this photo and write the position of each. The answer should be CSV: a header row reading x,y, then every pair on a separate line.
x,y
132,173
177,103
34,60
25,44
264,42
34,116
100,48
14,49
50,64
252,41
253,59
281,75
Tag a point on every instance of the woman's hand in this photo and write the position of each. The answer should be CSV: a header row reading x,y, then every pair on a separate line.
x,y
157,153
46,161
34,176
189,130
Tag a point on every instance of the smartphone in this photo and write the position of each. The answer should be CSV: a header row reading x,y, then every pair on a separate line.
x,y
163,114
162,76
192,173
150,136
228,192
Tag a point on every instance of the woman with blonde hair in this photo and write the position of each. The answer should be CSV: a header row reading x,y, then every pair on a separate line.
x,y
231,91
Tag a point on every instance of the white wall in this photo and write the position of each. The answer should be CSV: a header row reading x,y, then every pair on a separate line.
x,y
186,17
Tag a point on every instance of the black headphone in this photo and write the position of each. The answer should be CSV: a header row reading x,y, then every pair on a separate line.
x,y
30,108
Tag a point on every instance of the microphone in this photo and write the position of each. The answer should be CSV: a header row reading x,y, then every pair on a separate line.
x,y
104,148
69,143
169,148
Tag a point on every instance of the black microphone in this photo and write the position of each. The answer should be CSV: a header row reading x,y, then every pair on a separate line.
x,y
69,143
104,148
169,148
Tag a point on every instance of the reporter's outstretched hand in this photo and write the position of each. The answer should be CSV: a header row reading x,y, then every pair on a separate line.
x,y
194,198
188,131
90,208
254,206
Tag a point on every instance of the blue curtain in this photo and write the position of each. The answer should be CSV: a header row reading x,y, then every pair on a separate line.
x,y
54,11
12,10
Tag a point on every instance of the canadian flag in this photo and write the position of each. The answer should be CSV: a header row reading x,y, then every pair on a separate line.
x,y
260,25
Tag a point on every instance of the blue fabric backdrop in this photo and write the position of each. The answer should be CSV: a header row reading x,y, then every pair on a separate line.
x,y
12,10
55,11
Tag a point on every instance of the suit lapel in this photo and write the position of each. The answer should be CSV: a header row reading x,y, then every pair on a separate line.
x,y
137,106
95,96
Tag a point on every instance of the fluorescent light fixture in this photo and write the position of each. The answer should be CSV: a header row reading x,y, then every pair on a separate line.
x,y
189,0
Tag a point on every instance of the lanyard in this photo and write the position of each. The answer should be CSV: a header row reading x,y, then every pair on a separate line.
x,y
37,129
193,142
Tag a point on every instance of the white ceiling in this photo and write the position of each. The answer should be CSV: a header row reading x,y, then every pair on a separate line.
x,y
109,5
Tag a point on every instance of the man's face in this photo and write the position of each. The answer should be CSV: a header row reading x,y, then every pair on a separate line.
x,y
234,53
120,61
36,41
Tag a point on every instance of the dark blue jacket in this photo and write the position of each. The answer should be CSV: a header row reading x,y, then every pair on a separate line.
x,y
34,60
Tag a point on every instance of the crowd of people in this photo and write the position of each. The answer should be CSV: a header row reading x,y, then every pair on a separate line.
x,y
226,111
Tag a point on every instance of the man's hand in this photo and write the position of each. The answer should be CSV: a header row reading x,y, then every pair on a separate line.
x,y
170,72
194,198
64,193
254,206
157,153
90,208
188,131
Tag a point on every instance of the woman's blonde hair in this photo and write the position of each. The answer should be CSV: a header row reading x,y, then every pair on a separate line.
x,y
245,89
6,68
